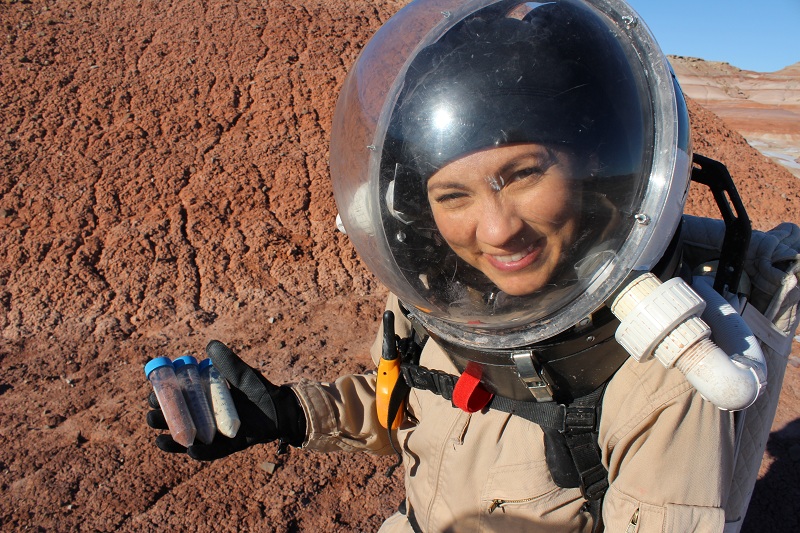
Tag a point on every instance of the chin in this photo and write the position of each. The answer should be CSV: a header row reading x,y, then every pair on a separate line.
x,y
520,287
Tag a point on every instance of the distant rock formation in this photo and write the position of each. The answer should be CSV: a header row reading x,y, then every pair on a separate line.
x,y
763,106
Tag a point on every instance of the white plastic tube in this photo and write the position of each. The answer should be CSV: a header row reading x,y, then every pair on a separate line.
x,y
663,320
741,375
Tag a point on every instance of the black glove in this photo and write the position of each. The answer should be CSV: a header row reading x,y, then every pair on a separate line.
x,y
266,412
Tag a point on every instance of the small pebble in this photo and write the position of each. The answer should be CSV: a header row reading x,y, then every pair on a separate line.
x,y
268,467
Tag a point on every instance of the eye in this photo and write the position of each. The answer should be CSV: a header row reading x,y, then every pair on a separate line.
x,y
535,171
449,197
532,168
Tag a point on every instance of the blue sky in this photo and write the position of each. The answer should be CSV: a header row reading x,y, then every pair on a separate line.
x,y
760,35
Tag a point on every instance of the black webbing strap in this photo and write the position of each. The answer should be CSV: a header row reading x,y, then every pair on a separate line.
x,y
412,520
549,415
419,377
580,432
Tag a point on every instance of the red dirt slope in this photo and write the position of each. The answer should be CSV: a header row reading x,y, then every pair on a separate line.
x,y
165,182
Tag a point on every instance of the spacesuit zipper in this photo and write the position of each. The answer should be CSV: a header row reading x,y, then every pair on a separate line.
x,y
634,521
501,503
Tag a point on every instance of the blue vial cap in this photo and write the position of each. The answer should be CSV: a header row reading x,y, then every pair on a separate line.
x,y
158,362
205,363
185,360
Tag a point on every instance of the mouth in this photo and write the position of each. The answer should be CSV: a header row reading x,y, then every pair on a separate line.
x,y
514,257
518,260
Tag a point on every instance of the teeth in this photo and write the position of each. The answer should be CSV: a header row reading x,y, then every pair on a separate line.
x,y
515,257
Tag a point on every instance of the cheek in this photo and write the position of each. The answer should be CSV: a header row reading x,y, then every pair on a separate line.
x,y
557,207
454,228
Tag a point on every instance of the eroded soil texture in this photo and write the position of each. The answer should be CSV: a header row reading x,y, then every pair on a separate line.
x,y
165,182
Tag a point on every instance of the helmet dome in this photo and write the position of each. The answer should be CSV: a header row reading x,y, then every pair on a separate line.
x,y
581,88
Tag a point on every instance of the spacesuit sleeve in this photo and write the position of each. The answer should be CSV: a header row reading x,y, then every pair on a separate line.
x,y
669,453
341,416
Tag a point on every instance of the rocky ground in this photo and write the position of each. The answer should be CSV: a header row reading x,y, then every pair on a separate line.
x,y
165,182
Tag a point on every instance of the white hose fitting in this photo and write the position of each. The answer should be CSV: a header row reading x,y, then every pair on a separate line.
x,y
662,320
735,339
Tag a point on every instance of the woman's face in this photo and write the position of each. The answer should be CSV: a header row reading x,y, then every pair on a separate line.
x,y
512,212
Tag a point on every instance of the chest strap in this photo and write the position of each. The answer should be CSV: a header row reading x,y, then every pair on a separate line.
x,y
573,455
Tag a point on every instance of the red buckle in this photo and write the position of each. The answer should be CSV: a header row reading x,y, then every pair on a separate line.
x,y
468,394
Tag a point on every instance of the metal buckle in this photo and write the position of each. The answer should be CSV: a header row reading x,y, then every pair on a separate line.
x,y
528,372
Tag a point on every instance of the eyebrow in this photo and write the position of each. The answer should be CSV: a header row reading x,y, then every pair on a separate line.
x,y
447,185
546,158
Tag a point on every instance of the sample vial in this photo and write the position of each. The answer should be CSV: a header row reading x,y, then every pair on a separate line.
x,y
219,395
161,374
189,379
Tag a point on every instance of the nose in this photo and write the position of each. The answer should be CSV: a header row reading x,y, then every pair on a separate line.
x,y
499,223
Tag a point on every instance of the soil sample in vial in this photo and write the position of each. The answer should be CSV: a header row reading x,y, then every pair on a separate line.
x,y
189,378
219,395
168,391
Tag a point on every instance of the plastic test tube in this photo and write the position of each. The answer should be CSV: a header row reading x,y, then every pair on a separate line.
x,y
168,392
189,379
219,395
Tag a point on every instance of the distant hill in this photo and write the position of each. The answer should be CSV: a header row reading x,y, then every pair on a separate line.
x,y
763,106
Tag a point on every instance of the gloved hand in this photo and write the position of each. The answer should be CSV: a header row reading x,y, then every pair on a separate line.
x,y
267,412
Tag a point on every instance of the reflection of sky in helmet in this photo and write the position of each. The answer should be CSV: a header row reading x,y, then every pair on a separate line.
x,y
540,72
442,118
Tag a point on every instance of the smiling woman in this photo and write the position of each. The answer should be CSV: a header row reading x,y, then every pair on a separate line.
x,y
506,168
516,150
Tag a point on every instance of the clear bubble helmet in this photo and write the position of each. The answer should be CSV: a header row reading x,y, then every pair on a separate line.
x,y
442,80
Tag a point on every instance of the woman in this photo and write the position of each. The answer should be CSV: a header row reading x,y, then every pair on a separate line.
x,y
504,168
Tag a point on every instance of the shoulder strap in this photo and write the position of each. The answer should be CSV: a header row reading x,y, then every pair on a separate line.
x,y
581,432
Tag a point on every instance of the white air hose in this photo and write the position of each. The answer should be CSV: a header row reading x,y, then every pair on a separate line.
x,y
663,320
